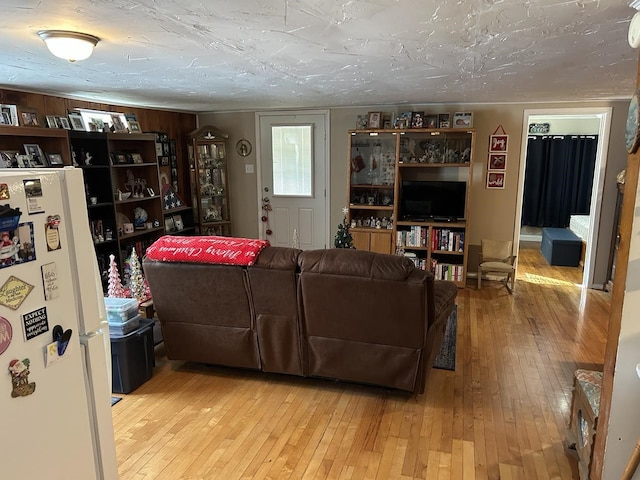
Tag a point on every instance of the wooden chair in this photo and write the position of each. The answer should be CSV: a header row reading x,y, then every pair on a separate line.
x,y
496,256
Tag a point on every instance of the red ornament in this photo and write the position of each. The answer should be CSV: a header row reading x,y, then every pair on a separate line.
x,y
264,218
269,231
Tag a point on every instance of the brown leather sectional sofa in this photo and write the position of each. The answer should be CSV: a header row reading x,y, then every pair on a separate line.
x,y
342,314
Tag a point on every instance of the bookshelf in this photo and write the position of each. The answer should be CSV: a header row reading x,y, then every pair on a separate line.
x,y
398,155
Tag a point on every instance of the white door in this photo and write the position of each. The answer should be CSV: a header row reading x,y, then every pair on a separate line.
x,y
294,168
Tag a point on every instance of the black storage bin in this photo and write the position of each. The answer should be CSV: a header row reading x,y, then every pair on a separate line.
x,y
132,358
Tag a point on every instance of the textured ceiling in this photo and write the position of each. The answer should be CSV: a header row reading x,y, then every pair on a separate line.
x,y
212,55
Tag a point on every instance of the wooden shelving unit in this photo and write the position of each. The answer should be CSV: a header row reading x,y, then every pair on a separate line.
x,y
379,162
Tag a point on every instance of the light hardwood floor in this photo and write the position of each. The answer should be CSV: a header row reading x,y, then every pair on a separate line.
x,y
503,413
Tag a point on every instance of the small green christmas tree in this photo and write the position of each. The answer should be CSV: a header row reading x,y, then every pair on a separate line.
x,y
343,237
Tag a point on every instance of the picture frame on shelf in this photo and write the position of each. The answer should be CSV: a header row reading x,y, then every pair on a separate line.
x,y
36,154
12,112
29,117
498,143
52,121
169,225
374,120
495,180
118,124
134,127
100,125
497,161
23,161
64,123
121,158
417,119
8,158
55,159
136,158
362,122
177,222
462,120
77,122
430,121
444,120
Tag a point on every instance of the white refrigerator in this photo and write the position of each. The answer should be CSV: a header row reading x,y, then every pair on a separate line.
x,y
55,385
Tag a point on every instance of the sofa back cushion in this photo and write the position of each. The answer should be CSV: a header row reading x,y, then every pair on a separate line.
x,y
205,312
363,296
272,282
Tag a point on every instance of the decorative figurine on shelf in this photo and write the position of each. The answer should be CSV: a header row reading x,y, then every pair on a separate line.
x,y
88,158
136,281
115,290
130,184
140,217
140,184
343,238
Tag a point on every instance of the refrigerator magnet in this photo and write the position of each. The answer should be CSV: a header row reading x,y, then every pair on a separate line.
x,y
35,323
4,191
50,281
19,371
17,245
6,334
33,191
13,292
52,233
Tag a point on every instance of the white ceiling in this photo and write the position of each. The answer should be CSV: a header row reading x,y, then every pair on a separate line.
x,y
212,55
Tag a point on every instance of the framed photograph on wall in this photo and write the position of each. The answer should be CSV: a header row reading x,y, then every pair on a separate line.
x,y
495,180
497,161
498,143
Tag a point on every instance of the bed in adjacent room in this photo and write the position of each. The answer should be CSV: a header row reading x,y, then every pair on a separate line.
x,y
579,224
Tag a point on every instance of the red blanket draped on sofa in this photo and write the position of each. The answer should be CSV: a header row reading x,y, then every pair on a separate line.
x,y
206,249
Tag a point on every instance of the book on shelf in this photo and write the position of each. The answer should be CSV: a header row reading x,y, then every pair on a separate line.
x,y
416,236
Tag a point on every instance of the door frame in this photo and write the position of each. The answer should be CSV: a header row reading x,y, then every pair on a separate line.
x,y
604,113
327,165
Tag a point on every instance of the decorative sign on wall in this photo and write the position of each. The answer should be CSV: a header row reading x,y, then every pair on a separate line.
x,y
497,161
539,128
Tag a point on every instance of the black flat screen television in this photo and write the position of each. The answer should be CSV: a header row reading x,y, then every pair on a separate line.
x,y
426,200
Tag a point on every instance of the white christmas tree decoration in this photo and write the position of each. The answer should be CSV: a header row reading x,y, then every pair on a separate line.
x,y
115,290
136,281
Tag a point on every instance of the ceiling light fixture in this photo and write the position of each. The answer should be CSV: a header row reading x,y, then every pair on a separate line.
x,y
71,46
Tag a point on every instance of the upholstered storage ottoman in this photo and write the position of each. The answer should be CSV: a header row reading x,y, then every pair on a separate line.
x,y
561,247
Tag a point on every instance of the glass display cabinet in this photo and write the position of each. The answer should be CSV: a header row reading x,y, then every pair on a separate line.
x,y
208,158
371,192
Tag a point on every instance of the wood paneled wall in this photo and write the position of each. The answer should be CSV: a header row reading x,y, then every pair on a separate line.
x,y
177,125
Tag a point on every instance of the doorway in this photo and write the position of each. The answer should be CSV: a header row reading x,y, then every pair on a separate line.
x,y
602,117
293,168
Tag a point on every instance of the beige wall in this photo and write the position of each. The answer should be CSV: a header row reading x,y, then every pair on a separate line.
x,y
492,212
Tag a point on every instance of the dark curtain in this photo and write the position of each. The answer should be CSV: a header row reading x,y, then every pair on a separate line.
x,y
558,179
